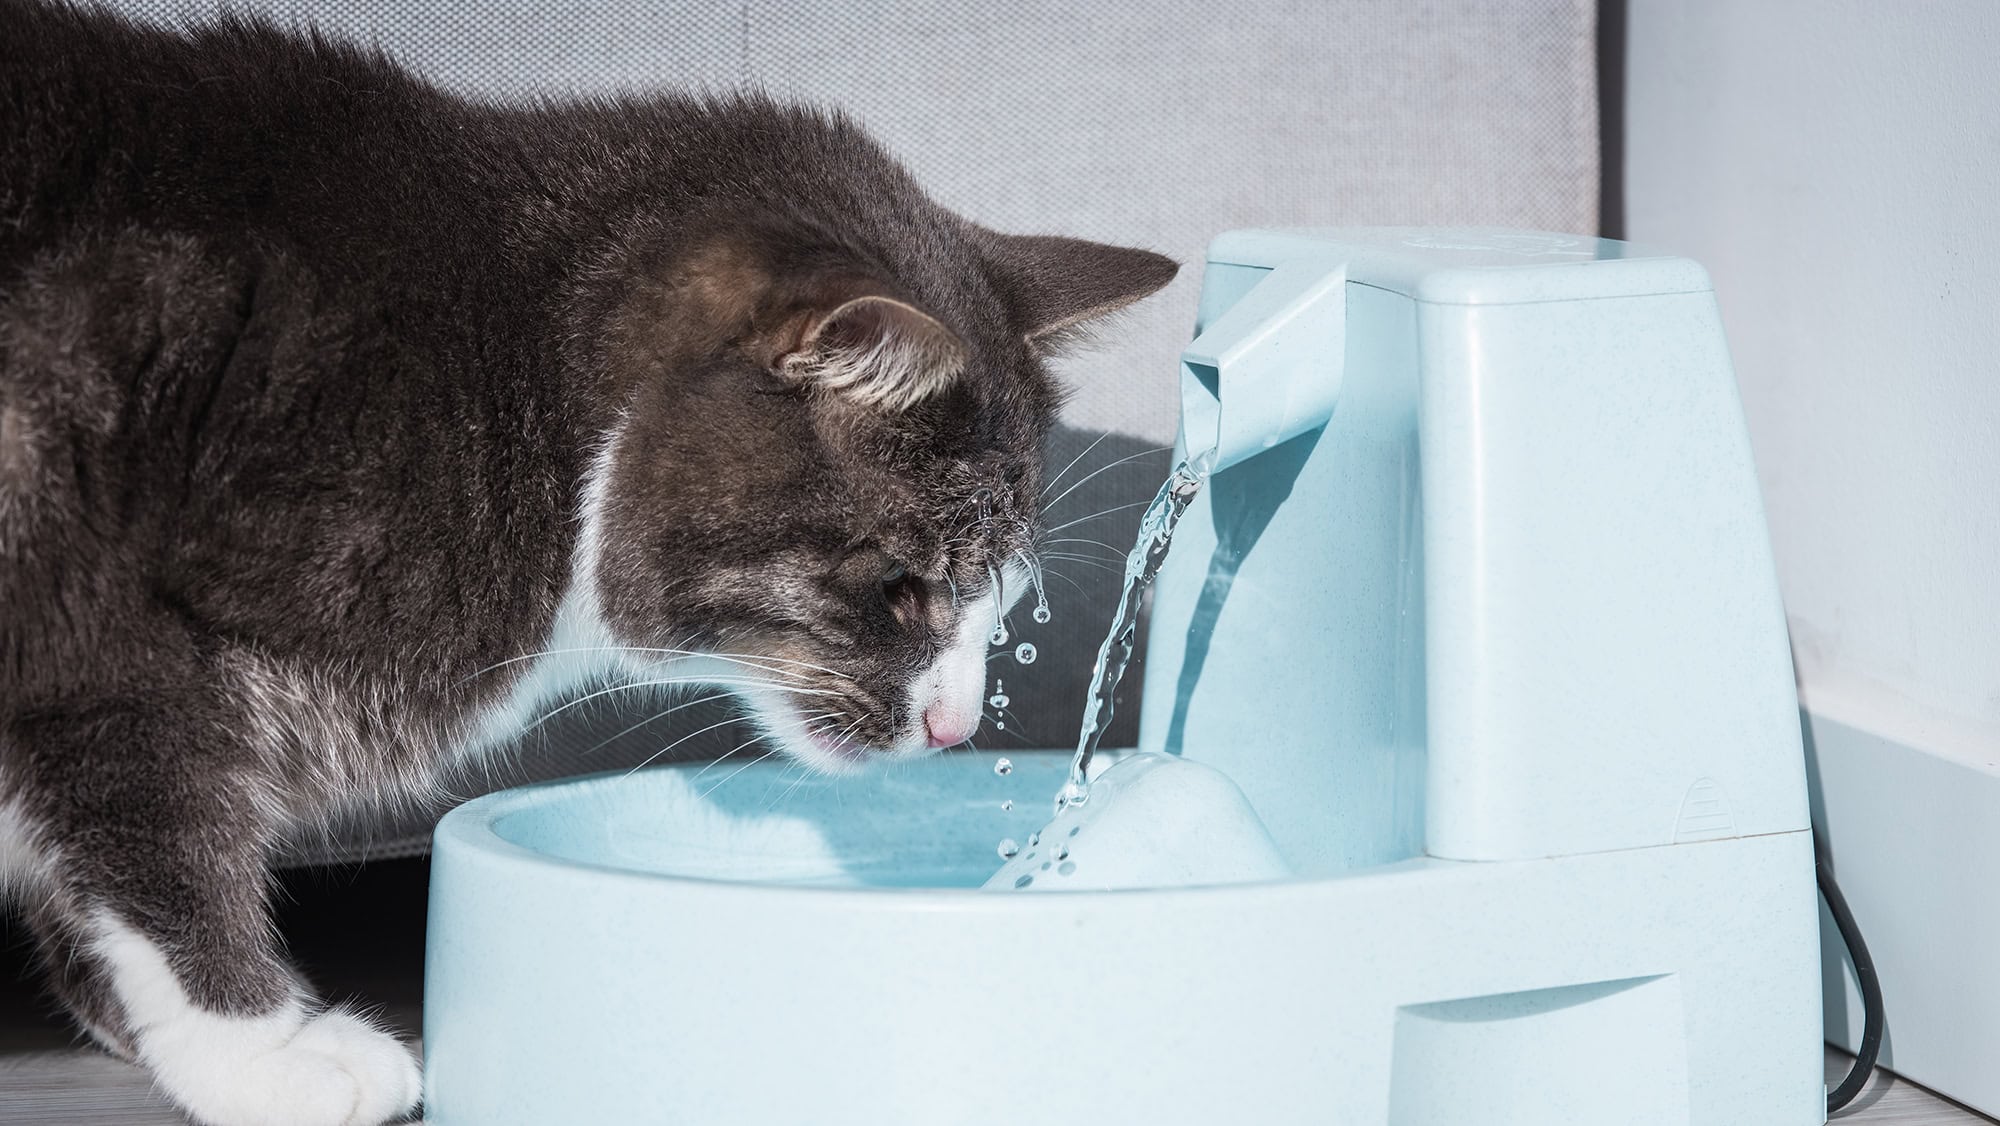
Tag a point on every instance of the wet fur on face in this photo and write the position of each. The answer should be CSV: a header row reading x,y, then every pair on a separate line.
x,y
345,425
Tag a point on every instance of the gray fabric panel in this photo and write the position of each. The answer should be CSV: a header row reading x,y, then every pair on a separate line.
x,y
1153,123
1157,124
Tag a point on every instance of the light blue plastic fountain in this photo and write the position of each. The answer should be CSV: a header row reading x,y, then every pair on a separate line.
x,y
1500,816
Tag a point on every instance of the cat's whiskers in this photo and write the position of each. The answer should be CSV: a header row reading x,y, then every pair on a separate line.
x,y
670,682
756,661
829,717
1059,568
1116,553
840,736
804,772
757,738
603,743
1085,560
1095,515
1000,725
690,735
741,769
711,727
771,806
1056,574
1103,469
1014,718
1095,442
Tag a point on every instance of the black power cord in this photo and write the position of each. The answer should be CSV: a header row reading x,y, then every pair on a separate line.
x,y
1871,991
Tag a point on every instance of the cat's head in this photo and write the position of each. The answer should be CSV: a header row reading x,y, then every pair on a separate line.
x,y
829,467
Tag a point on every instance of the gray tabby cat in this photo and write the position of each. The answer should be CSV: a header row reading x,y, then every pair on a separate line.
x,y
325,395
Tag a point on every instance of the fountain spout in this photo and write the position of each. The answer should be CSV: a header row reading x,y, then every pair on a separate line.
x,y
1268,369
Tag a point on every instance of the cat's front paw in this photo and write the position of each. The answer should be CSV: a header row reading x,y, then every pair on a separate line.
x,y
335,1070
376,1070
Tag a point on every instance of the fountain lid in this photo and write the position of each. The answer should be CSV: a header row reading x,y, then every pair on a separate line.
x,y
1472,266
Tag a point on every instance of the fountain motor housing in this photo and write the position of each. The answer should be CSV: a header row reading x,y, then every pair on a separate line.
x,y
1482,584
1486,534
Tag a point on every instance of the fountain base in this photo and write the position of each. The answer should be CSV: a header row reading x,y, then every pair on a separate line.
x,y
624,949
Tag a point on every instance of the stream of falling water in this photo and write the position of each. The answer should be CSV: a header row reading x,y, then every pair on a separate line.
x,y
1156,535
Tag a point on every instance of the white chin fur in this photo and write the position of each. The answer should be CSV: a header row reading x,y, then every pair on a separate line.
x,y
794,726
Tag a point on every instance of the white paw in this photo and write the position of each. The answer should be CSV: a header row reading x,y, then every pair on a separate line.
x,y
364,1075
282,1068
335,1070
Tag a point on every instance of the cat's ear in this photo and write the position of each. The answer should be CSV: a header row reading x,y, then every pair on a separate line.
x,y
872,348
1054,284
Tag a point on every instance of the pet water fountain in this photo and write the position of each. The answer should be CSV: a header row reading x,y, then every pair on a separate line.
x,y
1469,789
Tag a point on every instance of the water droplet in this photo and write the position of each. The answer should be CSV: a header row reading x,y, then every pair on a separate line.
x,y
1003,767
1006,805
1062,852
1075,829
1025,653
1068,868
999,607
1008,848
1034,839
999,726
1024,881
1041,588
1047,864
999,699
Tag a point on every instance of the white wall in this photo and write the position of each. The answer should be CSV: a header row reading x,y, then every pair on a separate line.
x,y
1836,164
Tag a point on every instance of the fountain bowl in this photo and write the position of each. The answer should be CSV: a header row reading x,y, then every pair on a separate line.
x,y
778,948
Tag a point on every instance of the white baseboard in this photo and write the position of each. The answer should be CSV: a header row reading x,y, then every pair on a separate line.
x,y
1910,811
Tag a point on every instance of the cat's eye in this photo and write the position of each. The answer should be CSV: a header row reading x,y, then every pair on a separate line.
x,y
904,593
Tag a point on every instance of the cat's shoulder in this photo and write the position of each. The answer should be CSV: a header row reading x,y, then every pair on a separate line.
x,y
88,300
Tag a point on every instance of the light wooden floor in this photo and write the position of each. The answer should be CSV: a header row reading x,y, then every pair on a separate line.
x,y
1889,1100
83,1088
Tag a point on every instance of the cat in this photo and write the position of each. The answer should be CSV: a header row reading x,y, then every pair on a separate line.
x,y
345,422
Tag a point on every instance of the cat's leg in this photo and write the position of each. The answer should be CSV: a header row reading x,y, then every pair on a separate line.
x,y
152,919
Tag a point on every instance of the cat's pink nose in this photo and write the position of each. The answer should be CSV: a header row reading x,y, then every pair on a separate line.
x,y
948,727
